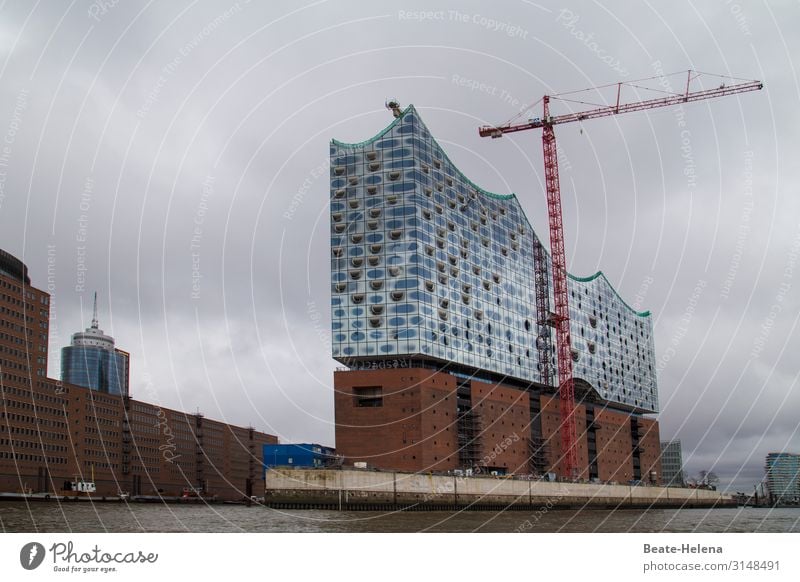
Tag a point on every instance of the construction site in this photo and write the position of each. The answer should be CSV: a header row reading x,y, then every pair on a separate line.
x,y
466,346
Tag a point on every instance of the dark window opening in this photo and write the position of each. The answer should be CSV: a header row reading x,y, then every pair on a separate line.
x,y
368,397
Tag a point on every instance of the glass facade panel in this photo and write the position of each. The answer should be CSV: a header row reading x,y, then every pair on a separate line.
x,y
95,368
783,477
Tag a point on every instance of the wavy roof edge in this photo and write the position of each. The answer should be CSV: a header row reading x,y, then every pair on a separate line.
x,y
397,120
511,196
603,275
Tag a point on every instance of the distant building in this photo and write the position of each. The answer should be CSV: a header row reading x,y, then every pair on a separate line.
x,y
298,455
783,478
93,362
672,464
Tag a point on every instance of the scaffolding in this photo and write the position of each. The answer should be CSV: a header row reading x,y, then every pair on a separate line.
x,y
543,319
200,471
636,448
538,449
469,427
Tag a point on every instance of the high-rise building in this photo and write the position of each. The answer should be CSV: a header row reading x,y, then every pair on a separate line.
x,y
93,362
783,478
34,432
434,302
54,433
672,464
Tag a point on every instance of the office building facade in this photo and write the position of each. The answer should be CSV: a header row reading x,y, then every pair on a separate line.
x,y
93,361
431,272
672,464
783,478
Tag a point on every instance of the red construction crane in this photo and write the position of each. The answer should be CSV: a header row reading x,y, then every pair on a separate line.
x,y
560,319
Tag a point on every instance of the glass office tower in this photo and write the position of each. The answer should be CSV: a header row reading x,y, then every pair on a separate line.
x,y
93,362
672,464
783,477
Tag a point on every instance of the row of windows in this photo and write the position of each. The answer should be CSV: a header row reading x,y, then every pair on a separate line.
x,y
29,295
8,312
101,421
100,465
13,365
101,410
16,289
41,434
141,451
33,445
137,407
148,461
99,442
110,400
148,420
100,453
54,386
140,440
145,429
182,429
33,458
20,354
8,403
104,434
15,339
14,417
146,470
21,329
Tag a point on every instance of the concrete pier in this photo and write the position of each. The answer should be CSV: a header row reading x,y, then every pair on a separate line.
x,y
377,490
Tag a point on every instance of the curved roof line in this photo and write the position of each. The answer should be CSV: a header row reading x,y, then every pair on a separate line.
x,y
11,266
603,275
389,127
511,196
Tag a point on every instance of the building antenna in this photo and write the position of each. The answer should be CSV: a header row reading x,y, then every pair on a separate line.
x,y
95,324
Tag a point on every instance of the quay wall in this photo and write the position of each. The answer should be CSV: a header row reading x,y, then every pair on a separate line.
x,y
363,489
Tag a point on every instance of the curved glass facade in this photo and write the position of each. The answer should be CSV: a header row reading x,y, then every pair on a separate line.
x,y
95,368
427,265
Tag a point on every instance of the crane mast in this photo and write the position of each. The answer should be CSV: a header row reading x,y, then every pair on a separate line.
x,y
560,317
558,257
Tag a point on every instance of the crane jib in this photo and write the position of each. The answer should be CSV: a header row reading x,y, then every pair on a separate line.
x,y
498,131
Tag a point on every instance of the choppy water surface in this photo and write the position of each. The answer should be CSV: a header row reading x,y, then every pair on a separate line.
x,y
106,517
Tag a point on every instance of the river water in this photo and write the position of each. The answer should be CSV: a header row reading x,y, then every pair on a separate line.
x,y
136,517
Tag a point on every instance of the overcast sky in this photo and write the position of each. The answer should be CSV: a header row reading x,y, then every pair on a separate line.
x,y
172,157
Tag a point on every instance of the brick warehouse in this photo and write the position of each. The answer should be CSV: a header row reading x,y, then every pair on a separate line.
x,y
447,362
52,432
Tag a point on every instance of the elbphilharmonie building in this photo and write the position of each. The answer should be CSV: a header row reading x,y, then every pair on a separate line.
x,y
430,273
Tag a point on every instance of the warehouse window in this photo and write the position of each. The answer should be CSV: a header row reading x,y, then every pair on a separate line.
x,y
368,396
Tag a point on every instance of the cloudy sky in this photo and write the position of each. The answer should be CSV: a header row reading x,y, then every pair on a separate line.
x,y
172,157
